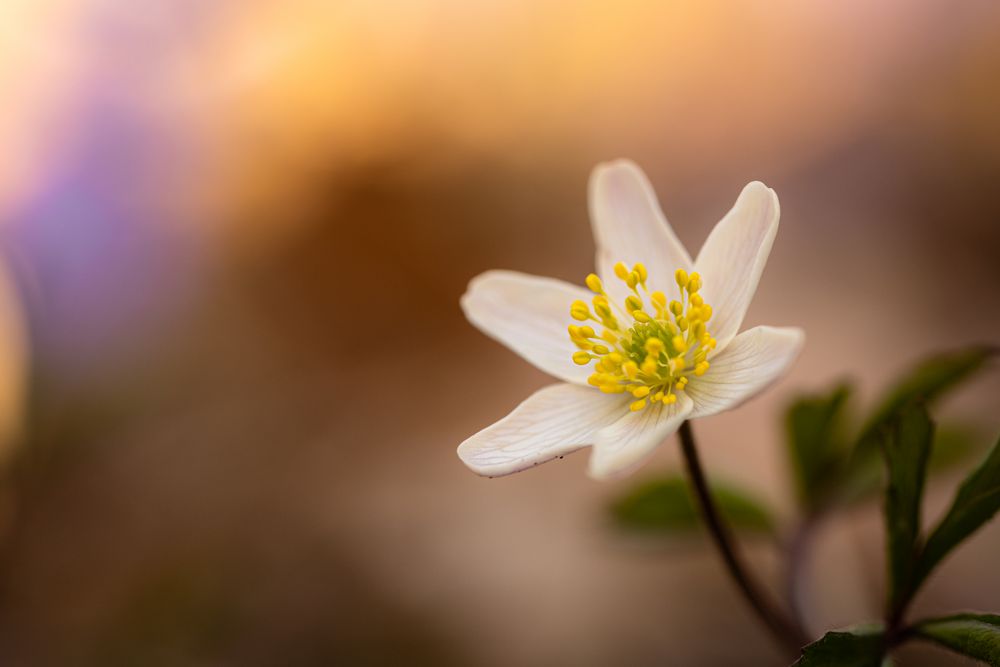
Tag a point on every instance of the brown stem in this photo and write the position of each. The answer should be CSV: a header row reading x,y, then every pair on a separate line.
x,y
784,629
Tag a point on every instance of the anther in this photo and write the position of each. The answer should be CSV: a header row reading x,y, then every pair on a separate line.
x,y
694,283
601,307
594,283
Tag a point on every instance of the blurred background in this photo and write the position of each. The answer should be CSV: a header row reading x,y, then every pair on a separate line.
x,y
233,370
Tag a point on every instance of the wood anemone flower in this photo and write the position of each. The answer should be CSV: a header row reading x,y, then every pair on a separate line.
x,y
651,342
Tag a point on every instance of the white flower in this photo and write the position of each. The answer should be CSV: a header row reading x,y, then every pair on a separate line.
x,y
660,354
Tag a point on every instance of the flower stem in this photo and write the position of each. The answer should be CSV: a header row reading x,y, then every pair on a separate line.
x,y
797,553
784,629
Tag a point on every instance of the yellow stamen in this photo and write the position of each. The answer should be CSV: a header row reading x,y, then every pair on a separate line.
x,y
580,311
694,283
652,355
594,283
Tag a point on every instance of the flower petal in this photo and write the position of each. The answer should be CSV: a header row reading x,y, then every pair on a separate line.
x,y
529,315
754,359
733,258
630,227
552,422
624,445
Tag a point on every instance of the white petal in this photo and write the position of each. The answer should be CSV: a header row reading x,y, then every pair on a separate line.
x,y
754,359
529,315
733,258
625,445
552,422
630,227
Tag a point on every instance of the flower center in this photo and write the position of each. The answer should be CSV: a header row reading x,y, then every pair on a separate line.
x,y
648,354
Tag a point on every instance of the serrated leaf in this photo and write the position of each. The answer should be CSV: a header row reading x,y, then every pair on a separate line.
x,y
975,503
815,445
855,647
906,442
973,635
665,505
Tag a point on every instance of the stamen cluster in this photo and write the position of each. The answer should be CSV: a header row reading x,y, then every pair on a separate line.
x,y
654,353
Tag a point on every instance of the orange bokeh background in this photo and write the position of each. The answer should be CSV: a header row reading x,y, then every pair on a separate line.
x,y
238,232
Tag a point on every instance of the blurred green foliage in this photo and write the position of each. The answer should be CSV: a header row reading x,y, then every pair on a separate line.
x,y
817,444
665,505
907,446
832,468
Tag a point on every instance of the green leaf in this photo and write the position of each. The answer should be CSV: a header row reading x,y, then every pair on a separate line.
x,y
928,380
954,444
973,635
816,447
906,443
925,382
977,500
665,505
860,646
